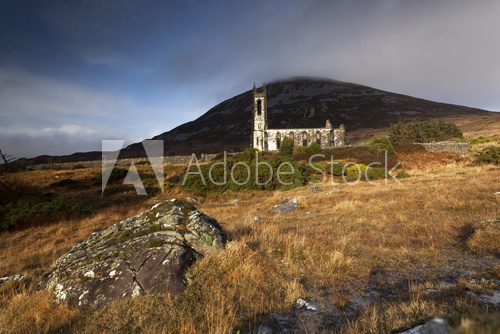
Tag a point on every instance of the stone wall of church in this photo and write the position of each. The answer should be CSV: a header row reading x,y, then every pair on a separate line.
x,y
339,137
304,137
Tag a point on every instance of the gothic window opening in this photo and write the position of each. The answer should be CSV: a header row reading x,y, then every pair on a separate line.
x,y
266,137
278,140
318,137
259,107
304,138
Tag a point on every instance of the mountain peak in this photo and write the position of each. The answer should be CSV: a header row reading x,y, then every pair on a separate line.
x,y
302,102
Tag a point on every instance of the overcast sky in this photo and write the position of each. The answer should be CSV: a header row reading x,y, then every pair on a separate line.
x,y
75,72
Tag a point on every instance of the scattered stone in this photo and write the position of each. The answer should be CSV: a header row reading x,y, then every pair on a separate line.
x,y
13,278
415,330
305,305
486,298
191,200
234,202
333,191
286,206
149,252
433,326
493,299
497,193
264,329
314,189
447,285
436,326
256,219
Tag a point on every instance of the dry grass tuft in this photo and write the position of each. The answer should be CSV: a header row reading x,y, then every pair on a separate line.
x,y
35,313
485,238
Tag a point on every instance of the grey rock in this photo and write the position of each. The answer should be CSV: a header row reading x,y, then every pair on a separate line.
x,y
286,206
306,305
234,202
314,189
146,253
415,330
433,326
256,219
12,278
436,326
264,329
493,298
191,200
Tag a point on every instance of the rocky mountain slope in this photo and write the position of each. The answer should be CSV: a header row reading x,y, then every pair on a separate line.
x,y
298,102
302,102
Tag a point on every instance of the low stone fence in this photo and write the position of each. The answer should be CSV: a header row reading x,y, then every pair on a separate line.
x,y
447,146
175,159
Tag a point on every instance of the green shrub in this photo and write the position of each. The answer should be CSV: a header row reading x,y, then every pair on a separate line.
x,y
246,156
402,174
337,168
480,140
353,172
490,155
265,179
299,150
376,173
78,166
117,174
11,214
286,148
423,132
380,145
368,173
314,148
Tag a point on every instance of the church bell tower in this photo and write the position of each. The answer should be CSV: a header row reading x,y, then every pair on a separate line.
x,y
259,117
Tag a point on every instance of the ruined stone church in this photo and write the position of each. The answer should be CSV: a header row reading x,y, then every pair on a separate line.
x,y
265,139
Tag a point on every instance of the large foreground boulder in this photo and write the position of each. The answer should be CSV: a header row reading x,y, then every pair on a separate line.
x,y
149,252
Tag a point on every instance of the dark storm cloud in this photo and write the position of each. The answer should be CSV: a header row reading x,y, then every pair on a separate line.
x,y
72,72
446,50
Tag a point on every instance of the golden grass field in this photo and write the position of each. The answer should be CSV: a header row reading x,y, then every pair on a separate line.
x,y
340,245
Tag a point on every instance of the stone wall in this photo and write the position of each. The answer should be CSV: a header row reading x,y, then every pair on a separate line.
x,y
299,136
447,146
326,137
177,159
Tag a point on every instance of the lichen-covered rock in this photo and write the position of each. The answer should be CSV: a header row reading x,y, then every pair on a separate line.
x,y
149,252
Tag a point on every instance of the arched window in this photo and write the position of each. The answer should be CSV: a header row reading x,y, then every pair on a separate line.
x,y
318,137
304,138
266,137
278,140
259,107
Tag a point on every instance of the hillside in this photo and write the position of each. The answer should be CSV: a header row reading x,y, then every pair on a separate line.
x,y
300,102
304,102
